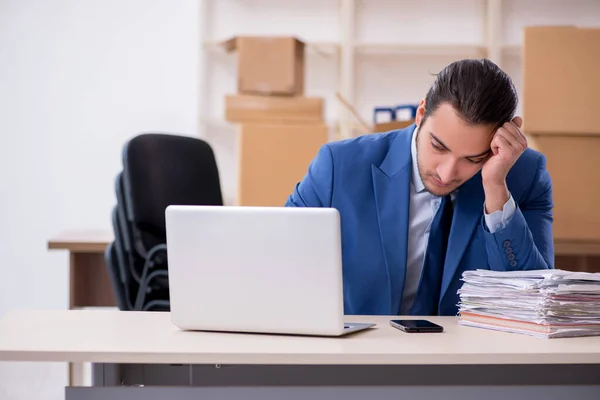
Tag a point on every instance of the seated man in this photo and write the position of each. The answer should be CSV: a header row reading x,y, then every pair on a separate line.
x,y
458,190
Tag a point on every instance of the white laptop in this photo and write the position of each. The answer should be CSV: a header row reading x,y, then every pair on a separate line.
x,y
256,269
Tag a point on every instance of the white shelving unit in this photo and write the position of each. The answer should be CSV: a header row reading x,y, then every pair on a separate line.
x,y
373,52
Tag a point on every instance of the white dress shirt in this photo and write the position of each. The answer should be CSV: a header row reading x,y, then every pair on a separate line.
x,y
423,207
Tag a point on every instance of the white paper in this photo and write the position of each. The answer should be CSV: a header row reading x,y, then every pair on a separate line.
x,y
562,302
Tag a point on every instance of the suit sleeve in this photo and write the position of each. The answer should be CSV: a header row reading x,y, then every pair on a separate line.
x,y
526,241
316,188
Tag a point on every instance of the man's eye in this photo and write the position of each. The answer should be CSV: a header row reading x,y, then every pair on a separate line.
x,y
478,161
435,146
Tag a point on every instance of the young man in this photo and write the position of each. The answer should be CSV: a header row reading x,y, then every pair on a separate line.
x,y
458,190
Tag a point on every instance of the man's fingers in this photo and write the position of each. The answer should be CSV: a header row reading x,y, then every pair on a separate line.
x,y
518,136
513,133
494,146
518,122
502,140
511,128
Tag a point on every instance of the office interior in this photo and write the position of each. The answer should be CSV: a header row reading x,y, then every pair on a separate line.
x,y
82,80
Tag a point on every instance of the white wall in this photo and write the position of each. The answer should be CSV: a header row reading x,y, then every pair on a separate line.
x,y
77,79
80,77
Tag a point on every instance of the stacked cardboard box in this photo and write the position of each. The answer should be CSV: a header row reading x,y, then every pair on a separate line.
x,y
280,130
560,113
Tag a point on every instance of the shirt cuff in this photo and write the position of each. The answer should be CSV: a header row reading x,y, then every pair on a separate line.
x,y
499,219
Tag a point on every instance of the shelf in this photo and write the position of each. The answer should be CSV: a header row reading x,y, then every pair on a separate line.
x,y
420,49
326,49
329,49
323,48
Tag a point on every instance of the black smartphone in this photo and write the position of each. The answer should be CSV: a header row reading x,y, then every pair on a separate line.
x,y
416,325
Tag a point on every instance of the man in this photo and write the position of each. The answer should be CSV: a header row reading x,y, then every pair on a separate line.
x,y
460,179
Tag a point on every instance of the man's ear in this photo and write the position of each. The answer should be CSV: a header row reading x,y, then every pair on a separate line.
x,y
420,113
518,121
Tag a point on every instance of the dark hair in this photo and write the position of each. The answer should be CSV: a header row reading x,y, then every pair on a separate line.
x,y
479,91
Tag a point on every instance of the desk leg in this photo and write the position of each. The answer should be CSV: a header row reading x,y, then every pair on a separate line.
x,y
89,286
79,374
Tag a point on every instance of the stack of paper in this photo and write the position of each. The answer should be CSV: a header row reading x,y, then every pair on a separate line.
x,y
543,303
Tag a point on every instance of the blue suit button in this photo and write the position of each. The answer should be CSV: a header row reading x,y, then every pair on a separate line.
x,y
508,250
506,243
513,263
511,256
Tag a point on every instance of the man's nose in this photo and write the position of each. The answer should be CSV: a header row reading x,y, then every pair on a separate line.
x,y
447,170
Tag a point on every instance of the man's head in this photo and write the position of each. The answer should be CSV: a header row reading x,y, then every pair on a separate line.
x,y
467,103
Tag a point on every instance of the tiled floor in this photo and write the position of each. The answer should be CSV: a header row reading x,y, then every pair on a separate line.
x,y
25,381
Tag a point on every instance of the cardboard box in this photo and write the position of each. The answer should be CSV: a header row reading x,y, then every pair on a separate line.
x,y
272,159
269,65
560,96
561,86
573,167
297,110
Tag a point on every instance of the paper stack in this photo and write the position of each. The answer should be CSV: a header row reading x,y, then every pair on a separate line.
x,y
542,303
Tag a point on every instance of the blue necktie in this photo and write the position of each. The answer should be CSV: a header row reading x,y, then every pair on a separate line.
x,y
428,294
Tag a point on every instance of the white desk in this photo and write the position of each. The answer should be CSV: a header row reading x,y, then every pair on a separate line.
x,y
145,349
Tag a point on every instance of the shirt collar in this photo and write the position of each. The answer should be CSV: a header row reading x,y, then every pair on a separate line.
x,y
416,178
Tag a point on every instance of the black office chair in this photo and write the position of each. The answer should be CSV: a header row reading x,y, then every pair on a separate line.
x,y
134,263
117,266
119,273
161,170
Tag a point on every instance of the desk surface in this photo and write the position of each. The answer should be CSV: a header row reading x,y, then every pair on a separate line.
x,y
135,337
82,241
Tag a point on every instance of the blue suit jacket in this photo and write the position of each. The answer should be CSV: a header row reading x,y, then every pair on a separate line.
x,y
367,180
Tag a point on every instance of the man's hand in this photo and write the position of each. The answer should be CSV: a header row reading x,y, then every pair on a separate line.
x,y
507,146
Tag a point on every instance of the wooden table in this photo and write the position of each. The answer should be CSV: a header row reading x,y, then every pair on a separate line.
x,y
577,256
142,355
89,283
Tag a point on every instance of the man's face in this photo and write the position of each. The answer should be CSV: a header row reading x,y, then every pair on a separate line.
x,y
449,151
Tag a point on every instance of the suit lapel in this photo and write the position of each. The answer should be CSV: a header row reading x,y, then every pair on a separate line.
x,y
467,214
391,184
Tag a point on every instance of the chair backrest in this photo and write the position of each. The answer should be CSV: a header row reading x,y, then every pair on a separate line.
x,y
160,170
116,264
135,262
